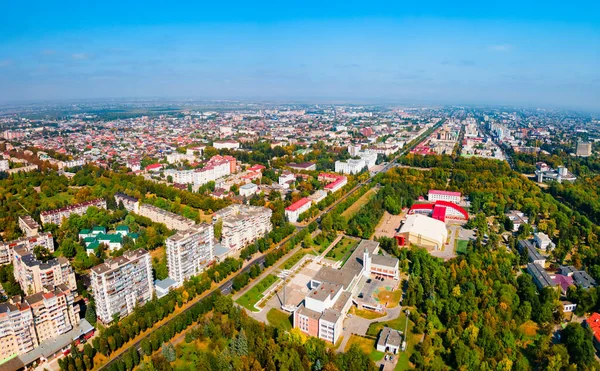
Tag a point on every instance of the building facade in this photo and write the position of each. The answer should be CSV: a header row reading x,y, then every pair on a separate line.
x,y
293,211
189,252
437,195
243,225
34,275
7,248
171,220
29,226
121,284
56,216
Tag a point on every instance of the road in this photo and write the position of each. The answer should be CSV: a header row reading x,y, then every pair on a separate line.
x,y
226,286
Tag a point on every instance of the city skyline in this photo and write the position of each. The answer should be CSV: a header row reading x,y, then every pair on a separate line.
x,y
517,54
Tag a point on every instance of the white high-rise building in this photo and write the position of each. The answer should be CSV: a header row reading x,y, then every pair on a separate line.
x,y
121,284
243,224
189,251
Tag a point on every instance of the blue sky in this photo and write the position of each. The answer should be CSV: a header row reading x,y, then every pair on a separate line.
x,y
522,53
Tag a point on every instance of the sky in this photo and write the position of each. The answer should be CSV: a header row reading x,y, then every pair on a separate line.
x,y
522,53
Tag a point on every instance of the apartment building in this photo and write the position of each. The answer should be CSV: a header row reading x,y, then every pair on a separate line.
x,y
171,220
189,252
17,331
23,169
56,216
27,322
584,149
28,243
121,284
217,167
54,312
243,224
131,204
33,275
29,226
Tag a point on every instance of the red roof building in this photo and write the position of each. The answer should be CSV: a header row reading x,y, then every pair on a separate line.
x,y
593,322
153,167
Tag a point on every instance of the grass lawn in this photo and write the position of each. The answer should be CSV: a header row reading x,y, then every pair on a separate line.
x,y
461,247
280,319
366,345
365,313
392,298
353,209
252,296
58,198
412,339
296,258
342,249
206,218
158,253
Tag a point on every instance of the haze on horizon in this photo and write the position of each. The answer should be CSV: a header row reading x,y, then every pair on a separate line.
x,y
545,54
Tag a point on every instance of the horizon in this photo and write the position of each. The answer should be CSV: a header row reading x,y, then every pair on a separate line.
x,y
451,54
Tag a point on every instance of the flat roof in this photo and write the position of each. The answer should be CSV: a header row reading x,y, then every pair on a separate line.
x,y
52,346
540,274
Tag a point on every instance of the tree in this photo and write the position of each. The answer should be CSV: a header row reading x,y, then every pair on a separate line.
x,y
168,351
90,313
218,227
41,253
578,341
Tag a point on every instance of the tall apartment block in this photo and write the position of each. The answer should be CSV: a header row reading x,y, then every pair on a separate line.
x,y
17,333
584,149
121,284
34,275
189,251
25,323
243,224
56,216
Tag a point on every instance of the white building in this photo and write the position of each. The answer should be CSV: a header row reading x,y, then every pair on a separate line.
x,y
248,190
29,226
294,210
121,284
226,144
437,195
370,158
189,252
4,165
34,275
542,241
243,225
350,167
286,178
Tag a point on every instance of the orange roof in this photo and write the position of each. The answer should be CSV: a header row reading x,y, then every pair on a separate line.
x,y
593,323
